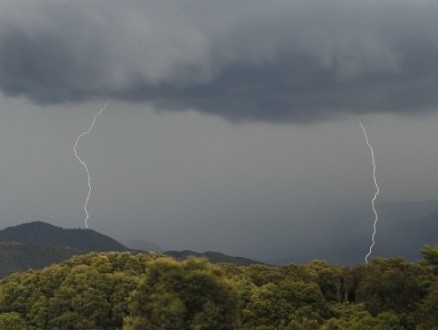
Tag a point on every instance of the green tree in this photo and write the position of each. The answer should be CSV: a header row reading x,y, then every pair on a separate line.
x,y
390,284
12,321
329,279
430,255
266,307
355,317
192,294
428,312
261,274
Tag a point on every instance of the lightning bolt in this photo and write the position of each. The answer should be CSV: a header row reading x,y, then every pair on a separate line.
x,y
87,215
373,200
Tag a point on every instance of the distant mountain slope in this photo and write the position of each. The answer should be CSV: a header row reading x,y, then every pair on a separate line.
x,y
407,237
142,245
402,229
214,257
43,233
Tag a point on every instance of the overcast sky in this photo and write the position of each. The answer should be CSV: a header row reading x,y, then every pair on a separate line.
x,y
230,125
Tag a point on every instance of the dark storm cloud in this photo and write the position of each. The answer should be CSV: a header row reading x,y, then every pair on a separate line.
x,y
296,61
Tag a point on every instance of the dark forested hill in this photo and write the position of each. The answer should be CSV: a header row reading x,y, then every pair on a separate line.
x,y
38,244
86,240
20,256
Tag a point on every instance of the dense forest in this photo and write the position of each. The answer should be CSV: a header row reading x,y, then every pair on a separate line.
x,y
121,290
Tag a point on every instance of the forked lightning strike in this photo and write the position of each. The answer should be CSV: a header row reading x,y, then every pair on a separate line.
x,y
373,200
87,215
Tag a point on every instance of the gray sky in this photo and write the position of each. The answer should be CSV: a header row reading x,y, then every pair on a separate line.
x,y
230,125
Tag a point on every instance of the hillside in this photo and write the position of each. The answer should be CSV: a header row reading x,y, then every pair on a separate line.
x,y
86,240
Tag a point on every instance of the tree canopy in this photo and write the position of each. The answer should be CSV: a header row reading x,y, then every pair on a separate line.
x,y
120,290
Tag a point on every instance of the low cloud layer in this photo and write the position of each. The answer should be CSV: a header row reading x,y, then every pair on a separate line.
x,y
277,61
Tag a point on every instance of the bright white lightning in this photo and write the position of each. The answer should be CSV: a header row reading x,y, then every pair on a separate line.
x,y
373,200
87,215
